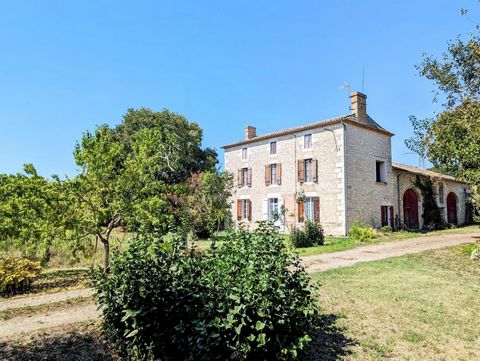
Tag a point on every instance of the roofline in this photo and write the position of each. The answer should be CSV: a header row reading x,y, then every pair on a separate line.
x,y
446,177
345,119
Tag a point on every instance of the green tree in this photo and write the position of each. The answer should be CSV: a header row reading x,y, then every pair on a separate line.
x,y
451,140
207,206
134,175
33,214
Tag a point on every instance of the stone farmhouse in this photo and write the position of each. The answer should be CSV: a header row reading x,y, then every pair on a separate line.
x,y
335,171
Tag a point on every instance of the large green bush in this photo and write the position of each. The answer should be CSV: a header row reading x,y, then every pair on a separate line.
x,y
311,235
17,274
246,299
361,232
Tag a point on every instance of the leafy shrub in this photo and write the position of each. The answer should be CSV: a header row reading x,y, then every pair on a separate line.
x,y
385,229
249,299
16,274
311,235
361,232
475,256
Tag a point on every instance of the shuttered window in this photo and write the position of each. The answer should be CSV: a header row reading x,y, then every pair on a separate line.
x,y
309,210
244,209
273,174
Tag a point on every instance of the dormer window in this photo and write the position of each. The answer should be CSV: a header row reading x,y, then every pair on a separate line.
x,y
307,141
244,153
273,148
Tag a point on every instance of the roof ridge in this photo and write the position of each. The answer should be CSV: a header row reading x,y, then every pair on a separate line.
x,y
312,125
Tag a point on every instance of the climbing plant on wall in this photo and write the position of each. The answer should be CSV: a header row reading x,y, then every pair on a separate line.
x,y
432,214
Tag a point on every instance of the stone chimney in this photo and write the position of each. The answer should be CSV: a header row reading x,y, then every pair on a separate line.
x,y
250,132
359,105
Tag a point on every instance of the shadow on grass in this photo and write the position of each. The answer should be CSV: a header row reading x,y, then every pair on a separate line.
x,y
81,344
329,343
61,279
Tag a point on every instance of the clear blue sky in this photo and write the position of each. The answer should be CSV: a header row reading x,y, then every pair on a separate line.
x,y
66,66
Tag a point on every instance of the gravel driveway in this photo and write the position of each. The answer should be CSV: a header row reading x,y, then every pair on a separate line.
x,y
326,261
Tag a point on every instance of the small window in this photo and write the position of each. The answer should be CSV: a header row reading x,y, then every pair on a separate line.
x,y
244,176
273,209
273,148
307,141
309,170
244,153
441,193
273,174
244,208
380,171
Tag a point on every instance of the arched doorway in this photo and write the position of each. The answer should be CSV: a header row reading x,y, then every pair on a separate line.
x,y
410,209
452,208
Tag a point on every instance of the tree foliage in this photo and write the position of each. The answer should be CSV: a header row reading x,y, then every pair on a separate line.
x,y
135,175
451,140
432,215
35,214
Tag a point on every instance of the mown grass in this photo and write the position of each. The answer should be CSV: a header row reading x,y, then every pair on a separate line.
x,y
416,307
337,244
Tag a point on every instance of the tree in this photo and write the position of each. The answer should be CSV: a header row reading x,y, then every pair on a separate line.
x,y
206,205
451,140
33,213
134,175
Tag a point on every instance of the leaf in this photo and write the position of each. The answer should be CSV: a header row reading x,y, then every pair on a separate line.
x,y
132,334
259,326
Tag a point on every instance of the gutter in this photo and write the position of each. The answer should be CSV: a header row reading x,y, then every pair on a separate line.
x,y
398,200
345,178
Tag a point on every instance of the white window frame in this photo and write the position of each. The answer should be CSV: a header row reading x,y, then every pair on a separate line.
x,y
245,208
245,177
309,209
273,205
307,144
273,145
273,174
244,153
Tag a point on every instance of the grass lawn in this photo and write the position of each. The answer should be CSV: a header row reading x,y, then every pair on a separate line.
x,y
416,307
336,244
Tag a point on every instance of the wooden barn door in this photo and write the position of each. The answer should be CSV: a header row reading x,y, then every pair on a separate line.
x,y
410,209
452,208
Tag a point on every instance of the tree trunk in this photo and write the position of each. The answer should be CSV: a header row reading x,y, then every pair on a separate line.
x,y
106,247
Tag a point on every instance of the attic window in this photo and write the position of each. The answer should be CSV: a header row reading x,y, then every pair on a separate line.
x,y
307,141
380,171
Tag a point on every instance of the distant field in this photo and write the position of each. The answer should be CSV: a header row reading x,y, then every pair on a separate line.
x,y
416,307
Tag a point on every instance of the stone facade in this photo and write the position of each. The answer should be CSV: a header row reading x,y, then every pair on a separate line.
x,y
355,179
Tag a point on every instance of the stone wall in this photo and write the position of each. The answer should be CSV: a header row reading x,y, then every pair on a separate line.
x,y
327,148
366,196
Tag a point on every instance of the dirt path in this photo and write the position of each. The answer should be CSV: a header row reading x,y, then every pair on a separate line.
x,y
21,325
33,301
328,261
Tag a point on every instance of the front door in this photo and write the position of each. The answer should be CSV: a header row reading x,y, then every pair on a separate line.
x,y
452,208
410,209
